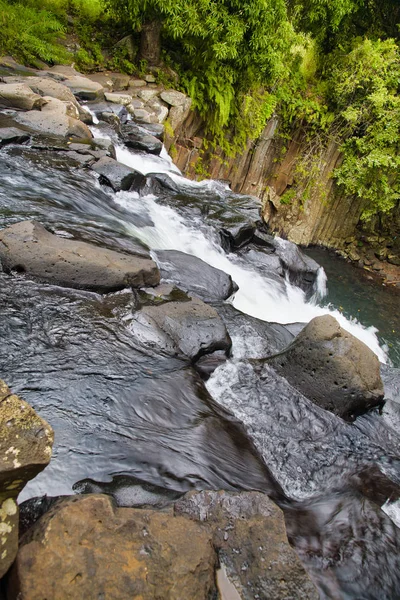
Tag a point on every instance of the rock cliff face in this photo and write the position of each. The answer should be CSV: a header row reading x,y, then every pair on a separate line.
x,y
294,181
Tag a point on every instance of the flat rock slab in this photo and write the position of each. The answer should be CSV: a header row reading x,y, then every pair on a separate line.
x,y
185,324
116,174
85,548
249,534
195,276
26,442
332,368
27,247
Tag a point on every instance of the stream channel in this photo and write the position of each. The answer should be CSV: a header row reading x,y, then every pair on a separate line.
x,y
138,423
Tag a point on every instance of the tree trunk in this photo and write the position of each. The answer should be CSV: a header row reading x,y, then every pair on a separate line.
x,y
150,43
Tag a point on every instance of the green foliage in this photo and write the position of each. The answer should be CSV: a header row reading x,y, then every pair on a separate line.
x,y
28,33
227,51
364,87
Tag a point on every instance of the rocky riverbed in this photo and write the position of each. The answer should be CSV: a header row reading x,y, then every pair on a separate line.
x,y
189,429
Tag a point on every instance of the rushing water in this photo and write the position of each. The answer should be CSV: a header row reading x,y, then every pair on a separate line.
x,y
124,412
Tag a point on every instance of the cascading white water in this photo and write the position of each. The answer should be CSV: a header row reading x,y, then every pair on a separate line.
x,y
257,296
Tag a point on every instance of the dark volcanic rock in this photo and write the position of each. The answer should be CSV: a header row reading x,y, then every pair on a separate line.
x,y
237,236
26,441
332,368
195,276
249,534
86,548
27,247
191,326
302,269
12,135
136,137
116,175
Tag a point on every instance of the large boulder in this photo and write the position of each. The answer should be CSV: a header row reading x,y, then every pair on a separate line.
x,y
249,534
302,270
138,138
179,323
27,247
26,442
85,548
332,368
116,174
19,95
195,276
56,118
83,88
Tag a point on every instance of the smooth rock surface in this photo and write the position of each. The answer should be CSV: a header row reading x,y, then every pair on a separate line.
x,y
116,174
26,442
85,548
191,326
194,275
332,368
19,95
27,247
249,535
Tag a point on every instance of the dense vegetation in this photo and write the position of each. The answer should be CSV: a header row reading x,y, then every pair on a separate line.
x,y
331,67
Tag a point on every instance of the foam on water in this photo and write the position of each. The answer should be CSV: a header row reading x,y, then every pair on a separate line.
x,y
257,296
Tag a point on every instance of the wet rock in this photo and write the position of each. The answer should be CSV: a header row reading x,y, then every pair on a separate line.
x,y
136,137
12,135
336,538
237,236
332,368
25,449
195,276
191,326
56,118
85,548
173,98
302,269
207,364
27,247
249,535
19,95
116,174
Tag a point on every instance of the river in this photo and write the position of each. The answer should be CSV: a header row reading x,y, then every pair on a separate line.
x,y
127,417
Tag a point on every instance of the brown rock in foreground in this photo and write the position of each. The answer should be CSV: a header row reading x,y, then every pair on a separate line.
x,y
84,548
249,535
26,442
332,368
27,247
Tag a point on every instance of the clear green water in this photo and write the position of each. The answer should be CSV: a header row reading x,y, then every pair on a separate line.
x,y
353,292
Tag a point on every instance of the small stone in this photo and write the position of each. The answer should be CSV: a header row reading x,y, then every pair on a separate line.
x,y
150,78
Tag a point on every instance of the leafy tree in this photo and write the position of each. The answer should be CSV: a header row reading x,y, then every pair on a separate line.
x,y
225,49
364,88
